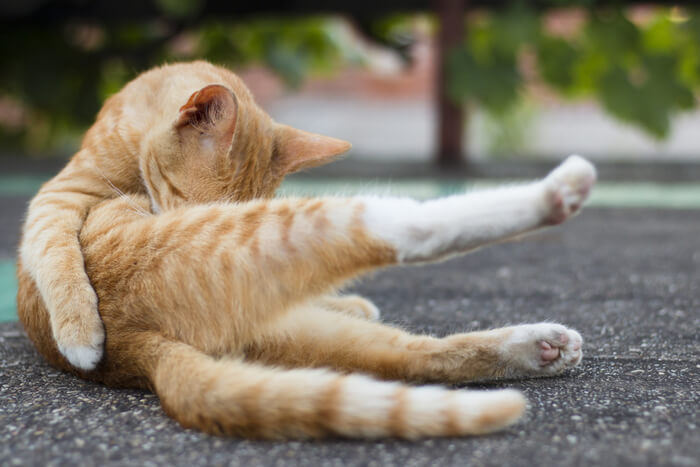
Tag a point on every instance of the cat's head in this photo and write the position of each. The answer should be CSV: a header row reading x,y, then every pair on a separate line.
x,y
222,147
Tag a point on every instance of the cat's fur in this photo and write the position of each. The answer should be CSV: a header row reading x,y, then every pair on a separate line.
x,y
208,288
112,160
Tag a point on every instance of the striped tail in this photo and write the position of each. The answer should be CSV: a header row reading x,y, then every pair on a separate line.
x,y
232,397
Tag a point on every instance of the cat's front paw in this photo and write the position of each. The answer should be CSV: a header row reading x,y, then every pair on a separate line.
x,y
542,349
567,187
79,333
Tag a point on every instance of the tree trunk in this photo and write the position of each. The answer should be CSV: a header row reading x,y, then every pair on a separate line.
x,y
450,115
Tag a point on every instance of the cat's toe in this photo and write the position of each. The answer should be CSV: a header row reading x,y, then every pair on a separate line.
x,y
542,349
355,305
562,351
366,310
568,186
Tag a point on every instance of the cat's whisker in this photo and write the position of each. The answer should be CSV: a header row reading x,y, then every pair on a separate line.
x,y
135,207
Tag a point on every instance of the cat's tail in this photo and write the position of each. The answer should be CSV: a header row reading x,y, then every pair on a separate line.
x,y
233,397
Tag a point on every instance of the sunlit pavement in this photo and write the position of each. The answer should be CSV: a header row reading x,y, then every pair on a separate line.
x,y
625,276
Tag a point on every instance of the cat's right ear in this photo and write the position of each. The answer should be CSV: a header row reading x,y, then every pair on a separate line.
x,y
209,116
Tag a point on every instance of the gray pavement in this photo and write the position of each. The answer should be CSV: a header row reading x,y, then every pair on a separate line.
x,y
12,209
627,279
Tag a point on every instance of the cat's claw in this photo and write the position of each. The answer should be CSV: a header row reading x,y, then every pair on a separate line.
x,y
542,349
567,187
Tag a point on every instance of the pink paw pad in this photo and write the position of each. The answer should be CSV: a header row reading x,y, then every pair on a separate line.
x,y
559,214
548,354
569,185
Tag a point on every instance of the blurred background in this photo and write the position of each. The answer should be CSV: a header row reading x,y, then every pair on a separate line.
x,y
434,95
526,80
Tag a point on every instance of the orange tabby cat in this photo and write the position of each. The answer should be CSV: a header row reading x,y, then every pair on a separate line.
x,y
208,288
108,164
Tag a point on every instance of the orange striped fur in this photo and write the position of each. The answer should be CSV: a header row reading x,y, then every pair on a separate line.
x,y
219,297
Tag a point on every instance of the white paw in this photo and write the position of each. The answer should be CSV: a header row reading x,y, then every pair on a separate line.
x,y
77,326
568,187
82,343
542,349
85,358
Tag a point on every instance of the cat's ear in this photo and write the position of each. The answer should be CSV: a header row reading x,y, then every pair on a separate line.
x,y
296,149
210,114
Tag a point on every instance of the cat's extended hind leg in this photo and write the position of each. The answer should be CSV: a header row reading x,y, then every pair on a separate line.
x,y
230,396
293,250
435,229
311,336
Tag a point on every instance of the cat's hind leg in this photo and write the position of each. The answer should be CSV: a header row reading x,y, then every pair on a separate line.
x,y
311,336
435,229
294,250
233,397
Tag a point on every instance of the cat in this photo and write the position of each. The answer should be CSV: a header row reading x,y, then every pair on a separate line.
x,y
108,165
221,298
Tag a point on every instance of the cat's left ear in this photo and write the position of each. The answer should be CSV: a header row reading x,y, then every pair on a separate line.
x,y
209,115
297,149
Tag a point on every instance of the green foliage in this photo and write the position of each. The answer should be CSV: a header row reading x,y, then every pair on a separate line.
x,y
180,8
641,74
485,68
292,48
62,73
492,82
559,68
508,133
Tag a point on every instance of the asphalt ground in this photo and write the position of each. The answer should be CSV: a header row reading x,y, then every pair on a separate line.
x,y
626,278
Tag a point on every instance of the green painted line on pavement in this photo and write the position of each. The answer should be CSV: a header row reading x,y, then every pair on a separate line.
x,y
20,185
8,291
605,194
647,195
